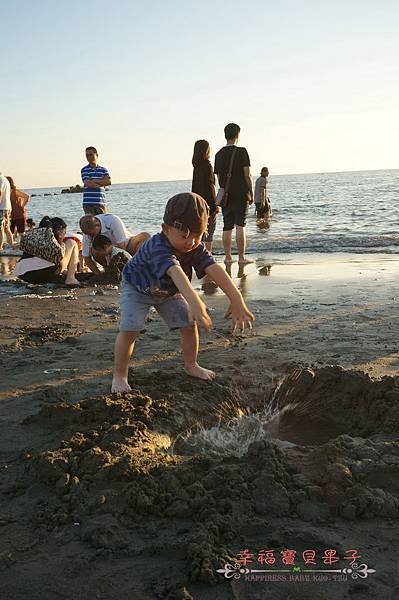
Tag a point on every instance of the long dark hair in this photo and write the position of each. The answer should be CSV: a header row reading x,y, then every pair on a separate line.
x,y
201,151
11,181
56,224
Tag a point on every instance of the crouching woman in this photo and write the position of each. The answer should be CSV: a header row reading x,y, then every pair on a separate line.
x,y
48,258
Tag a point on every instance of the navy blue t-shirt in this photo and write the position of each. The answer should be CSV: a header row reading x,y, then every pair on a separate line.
x,y
146,270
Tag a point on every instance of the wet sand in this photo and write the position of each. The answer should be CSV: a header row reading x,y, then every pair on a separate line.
x,y
146,495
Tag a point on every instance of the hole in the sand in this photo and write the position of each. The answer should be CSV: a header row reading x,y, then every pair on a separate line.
x,y
309,407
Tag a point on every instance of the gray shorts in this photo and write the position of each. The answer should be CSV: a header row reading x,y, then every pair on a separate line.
x,y
134,307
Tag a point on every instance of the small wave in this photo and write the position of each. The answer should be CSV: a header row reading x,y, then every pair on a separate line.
x,y
320,243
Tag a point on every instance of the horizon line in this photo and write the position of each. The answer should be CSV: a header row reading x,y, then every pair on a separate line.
x,y
275,175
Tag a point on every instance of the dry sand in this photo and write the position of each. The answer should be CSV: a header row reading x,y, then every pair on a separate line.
x,y
146,495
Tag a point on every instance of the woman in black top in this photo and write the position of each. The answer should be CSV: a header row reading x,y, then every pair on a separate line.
x,y
204,185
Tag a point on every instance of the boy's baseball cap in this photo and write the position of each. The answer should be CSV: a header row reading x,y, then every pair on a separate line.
x,y
188,212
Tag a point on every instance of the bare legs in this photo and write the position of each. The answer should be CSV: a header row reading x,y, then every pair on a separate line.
x,y
70,262
241,242
227,240
189,340
124,347
5,230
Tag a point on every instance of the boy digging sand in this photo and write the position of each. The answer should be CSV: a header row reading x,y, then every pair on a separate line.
x,y
159,275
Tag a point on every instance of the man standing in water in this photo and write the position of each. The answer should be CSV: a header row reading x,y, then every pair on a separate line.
x,y
94,178
240,193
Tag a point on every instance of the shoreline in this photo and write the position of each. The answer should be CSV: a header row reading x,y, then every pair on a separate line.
x,y
287,266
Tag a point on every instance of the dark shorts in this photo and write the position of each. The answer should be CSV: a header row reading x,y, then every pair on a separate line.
x,y
94,209
234,214
47,275
263,210
18,224
211,227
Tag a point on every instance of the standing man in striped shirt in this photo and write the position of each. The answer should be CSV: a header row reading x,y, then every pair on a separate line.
x,y
94,178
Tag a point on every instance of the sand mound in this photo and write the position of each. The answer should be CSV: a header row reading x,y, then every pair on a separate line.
x,y
317,405
109,472
106,482
358,478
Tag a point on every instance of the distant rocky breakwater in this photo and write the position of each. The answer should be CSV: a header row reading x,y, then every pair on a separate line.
x,y
73,189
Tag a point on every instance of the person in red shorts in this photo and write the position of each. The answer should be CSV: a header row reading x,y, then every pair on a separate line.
x,y
19,200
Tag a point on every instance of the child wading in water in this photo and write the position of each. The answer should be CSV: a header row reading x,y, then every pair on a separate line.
x,y
159,275
263,208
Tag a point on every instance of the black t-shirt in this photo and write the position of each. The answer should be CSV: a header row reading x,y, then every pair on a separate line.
x,y
204,183
238,186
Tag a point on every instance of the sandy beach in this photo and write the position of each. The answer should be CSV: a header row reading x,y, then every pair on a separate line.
x,y
136,496
136,140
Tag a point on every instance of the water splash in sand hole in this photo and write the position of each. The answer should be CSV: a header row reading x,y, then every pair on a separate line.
x,y
308,407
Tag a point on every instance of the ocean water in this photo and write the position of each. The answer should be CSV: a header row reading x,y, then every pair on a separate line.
x,y
324,212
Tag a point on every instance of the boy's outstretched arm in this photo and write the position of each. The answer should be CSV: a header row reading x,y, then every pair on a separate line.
x,y
197,307
240,314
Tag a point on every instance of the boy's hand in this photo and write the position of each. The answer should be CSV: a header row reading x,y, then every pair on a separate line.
x,y
200,315
240,316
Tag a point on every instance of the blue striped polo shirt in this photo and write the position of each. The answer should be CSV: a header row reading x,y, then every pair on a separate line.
x,y
94,195
146,270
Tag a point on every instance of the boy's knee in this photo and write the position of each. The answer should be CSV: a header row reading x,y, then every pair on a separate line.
x,y
129,336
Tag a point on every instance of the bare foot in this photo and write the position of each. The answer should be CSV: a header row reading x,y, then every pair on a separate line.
x,y
197,371
120,385
245,261
72,281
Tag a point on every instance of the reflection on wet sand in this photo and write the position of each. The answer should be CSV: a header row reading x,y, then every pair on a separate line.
x,y
7,265
241,272
263,224
208,286
266,270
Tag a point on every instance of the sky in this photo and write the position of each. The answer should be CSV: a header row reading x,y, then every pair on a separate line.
x,y
313,85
